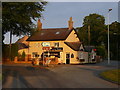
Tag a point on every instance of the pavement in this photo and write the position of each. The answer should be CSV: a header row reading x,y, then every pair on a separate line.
x,y
59,76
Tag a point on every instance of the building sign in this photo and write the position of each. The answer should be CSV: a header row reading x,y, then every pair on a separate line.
x,y
46,44
46,48
57,48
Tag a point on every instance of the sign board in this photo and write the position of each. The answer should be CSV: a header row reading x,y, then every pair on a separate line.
x,y
46,44
46,48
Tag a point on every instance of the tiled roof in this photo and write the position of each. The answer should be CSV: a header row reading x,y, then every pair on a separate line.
x,y
23,40
89,48
22,46
50,34
73,45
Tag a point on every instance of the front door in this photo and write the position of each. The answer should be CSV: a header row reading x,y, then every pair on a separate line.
x,y
67,58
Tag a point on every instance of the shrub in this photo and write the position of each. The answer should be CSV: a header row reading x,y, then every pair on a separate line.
x,y
23,55
101,51
6,51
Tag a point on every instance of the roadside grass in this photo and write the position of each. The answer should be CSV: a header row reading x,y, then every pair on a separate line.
x,y
111,75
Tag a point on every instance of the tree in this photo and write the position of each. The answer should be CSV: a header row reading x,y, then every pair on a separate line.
x,y
93,32
23,55
114,40
14,51
95,26
17,17
83,35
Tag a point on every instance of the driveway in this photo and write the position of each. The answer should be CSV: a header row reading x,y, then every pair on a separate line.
x,y
60,76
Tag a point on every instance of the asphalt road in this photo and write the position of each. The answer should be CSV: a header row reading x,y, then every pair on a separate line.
x,y
61,76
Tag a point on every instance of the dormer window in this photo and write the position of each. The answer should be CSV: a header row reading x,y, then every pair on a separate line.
x,y
57,33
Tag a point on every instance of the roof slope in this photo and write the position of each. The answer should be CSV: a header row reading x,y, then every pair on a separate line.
x,y
73,45
22,43
22,46
89,48
50,34
21,40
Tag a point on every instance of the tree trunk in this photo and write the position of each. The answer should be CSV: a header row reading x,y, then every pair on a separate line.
x,y
10,44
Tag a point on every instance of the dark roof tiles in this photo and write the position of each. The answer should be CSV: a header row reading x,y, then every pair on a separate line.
x,y
73,45
50,34
22,46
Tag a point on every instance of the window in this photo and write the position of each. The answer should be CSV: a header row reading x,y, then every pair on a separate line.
x,y
35,54
81,55
57,33
56,44
72,55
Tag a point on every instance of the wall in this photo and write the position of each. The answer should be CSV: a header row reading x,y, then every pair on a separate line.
x,y
84,56
69,50
21,51
72,37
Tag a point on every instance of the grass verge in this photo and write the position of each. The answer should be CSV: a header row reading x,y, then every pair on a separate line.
x,y
111,75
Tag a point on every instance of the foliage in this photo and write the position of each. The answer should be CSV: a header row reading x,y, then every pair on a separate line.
x,y
99,35
94,20
14,51
82,33
97,29
114,40
6,48
5,51
17,17
23,55
101,51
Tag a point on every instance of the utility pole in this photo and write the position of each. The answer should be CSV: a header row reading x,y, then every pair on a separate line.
x,y
88,43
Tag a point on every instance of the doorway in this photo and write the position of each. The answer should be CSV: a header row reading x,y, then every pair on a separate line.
x,y
67,58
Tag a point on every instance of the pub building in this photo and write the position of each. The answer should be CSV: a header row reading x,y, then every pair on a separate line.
x,y
58,45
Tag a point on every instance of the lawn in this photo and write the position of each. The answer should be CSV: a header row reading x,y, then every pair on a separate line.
x,y
112,75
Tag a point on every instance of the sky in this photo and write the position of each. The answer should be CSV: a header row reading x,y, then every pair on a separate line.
x,y
57,14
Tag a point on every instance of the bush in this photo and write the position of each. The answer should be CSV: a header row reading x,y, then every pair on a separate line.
x,y
23,55
6,51
101,51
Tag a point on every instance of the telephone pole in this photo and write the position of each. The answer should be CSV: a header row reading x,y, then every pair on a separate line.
x,y
88,43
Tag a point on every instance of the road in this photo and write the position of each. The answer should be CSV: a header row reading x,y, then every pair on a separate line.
x,y
61,76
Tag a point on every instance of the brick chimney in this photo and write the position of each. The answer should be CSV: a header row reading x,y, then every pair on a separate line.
x,y
39,25
70,23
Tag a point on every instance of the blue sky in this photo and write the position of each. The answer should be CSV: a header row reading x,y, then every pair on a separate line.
x,y
56,14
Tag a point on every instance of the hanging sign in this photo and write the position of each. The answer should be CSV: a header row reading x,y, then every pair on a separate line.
x,y
46,48
46,44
